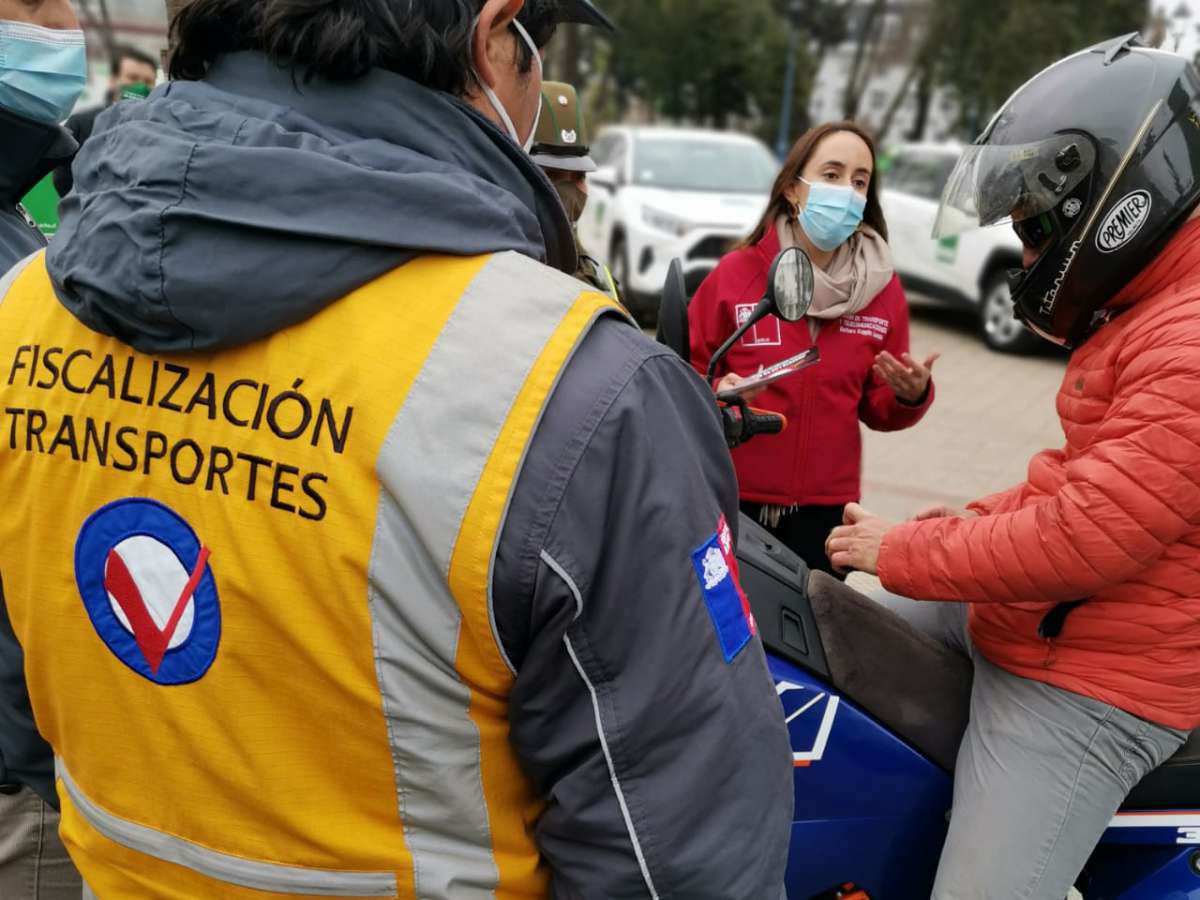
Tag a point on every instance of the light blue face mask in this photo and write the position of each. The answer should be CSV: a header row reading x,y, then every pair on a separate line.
x,y
42,71
831,215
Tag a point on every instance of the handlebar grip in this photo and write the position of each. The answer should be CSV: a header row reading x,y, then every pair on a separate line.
x,y
742,421
763,421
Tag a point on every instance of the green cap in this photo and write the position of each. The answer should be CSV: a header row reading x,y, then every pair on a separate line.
x,y
561,141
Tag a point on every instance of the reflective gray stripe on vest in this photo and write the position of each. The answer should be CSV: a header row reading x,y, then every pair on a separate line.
x,y
430,465
260,876
10,277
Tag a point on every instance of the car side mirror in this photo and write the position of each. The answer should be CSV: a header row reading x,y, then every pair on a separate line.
x,y
790,287
606,177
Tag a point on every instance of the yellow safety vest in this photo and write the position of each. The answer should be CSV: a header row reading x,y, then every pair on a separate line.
x,y
253,586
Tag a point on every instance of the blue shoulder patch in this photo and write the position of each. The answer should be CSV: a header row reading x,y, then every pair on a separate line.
x,y
716,568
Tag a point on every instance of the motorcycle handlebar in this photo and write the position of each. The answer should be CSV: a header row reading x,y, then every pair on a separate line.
x,y
742,421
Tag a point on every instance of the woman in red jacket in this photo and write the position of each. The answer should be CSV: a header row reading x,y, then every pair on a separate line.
x,y
825,202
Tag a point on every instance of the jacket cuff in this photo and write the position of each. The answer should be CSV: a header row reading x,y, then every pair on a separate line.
x,y
893,569
923,403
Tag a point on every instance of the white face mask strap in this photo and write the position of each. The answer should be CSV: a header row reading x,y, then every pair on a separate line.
x,y
509,126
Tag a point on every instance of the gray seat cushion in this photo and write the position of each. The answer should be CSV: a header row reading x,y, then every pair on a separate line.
x,y
916,686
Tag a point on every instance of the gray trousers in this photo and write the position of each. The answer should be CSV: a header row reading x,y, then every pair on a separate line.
x,y
33,861
1040,773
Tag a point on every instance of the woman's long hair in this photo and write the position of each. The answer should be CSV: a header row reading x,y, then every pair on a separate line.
x,y
801,153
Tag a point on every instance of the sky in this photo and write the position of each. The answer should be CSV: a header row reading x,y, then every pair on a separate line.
x,y
1191,40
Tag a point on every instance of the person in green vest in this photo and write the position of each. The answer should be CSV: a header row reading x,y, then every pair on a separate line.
x,y
562,150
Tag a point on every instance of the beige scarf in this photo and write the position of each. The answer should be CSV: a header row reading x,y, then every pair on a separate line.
x,y
859,270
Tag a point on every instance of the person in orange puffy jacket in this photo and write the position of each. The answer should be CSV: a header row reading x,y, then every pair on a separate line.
x,y
1076,593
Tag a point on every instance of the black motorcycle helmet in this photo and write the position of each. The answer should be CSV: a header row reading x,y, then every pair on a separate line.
x,y
1096,160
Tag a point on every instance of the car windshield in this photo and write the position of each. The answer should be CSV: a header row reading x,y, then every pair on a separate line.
x,y
696,165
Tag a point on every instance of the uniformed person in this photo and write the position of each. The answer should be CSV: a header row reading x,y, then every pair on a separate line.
x,y
561,147
355,548
43,71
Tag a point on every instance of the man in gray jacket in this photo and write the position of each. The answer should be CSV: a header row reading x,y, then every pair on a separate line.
x,y
307,156
33,861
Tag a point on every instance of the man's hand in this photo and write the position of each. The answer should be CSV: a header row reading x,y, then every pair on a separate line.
x,y
732,380
855,545
908,378
941,511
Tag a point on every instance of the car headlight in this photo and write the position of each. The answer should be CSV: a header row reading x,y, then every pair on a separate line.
x,y
663,221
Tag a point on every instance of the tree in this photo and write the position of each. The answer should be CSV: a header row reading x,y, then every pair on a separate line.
x,y
96,19
866,34
707,62
987,51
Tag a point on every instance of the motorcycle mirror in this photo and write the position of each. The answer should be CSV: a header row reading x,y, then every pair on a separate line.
x,y
606,177
673,329
790,287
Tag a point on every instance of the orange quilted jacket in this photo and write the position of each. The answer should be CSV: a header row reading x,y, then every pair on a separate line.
x,y
1113,517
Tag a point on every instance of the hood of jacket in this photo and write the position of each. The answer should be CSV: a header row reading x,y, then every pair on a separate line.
x,y
220,211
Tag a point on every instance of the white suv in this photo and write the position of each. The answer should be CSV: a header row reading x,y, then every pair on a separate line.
x,y
666,193
968,269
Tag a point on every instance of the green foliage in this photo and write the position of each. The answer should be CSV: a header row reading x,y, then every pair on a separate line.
x,y
715,61
704,61
985,51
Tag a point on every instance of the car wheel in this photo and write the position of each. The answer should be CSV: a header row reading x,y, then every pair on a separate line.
x,y
1001,329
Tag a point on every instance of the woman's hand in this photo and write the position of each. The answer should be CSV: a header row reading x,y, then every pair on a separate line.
x,y
855,545
906,377
730,381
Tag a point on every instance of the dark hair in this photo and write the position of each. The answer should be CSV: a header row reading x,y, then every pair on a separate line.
x,y
428,41
122,52
796,161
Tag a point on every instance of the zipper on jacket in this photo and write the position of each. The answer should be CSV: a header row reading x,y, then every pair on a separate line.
x,y
1051,654
799,469
1052,626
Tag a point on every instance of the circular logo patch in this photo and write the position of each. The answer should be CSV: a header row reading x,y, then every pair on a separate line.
x,y
149,589
1124,221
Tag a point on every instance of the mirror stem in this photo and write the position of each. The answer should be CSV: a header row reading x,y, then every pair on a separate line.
x,y
760,311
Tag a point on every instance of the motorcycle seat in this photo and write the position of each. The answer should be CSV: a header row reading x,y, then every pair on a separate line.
x,y
1173,785
916,686
920,689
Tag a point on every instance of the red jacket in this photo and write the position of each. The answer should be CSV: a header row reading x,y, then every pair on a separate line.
x,y
818,459
1113,517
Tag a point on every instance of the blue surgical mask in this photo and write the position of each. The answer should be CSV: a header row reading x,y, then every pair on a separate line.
x,y
831,215
42,71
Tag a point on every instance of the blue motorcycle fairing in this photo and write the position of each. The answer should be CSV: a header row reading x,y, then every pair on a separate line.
x,y
873,811
869,808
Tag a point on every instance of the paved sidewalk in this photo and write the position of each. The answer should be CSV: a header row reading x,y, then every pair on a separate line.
x,y
992,413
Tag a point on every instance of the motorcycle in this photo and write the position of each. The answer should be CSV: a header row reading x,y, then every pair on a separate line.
x,y
875,710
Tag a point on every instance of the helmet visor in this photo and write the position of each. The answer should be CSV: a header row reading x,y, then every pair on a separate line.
x,y
994,183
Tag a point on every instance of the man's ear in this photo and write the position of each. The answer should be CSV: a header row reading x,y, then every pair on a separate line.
x,y
491,34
